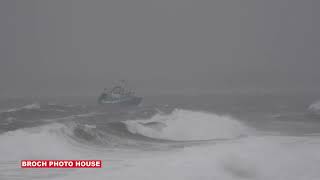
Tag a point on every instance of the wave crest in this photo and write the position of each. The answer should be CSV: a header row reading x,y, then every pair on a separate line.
x,y
184,125
315,107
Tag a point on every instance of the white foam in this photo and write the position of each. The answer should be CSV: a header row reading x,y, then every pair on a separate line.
x,y
252,158
188,125
315,107
249,158
29,107
35,143
32,106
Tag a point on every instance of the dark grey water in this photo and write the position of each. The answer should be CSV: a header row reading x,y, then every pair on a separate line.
x,y
222,136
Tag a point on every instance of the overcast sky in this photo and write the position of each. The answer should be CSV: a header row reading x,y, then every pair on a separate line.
x,y
78,47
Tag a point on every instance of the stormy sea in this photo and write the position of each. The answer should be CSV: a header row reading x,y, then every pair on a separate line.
x,y
262,136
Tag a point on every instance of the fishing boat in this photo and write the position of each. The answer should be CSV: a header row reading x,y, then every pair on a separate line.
x,y
119,96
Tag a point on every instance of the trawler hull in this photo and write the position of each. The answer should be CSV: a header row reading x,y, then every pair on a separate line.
x,y
127,102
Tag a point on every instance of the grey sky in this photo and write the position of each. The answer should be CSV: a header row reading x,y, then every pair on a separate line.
x,y
78,47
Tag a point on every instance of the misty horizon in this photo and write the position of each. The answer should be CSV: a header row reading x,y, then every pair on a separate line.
x,y
53,48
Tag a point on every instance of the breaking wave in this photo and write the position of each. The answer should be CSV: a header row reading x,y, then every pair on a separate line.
x,y
185,125
121,142
26,107
60,139
33,143
315,107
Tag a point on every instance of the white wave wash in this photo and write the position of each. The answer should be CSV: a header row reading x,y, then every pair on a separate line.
x,y
258,158
45,142
52,141
315,107
252,158
28,107
188,125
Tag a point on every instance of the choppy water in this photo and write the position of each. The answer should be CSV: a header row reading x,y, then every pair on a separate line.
x,y
171,137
